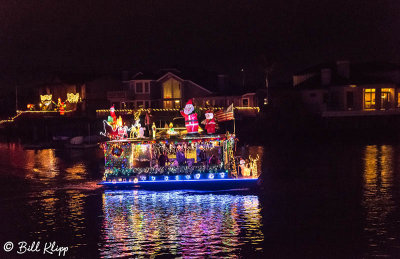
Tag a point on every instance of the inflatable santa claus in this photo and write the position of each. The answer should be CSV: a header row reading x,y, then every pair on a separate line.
x,y
191,122
209,122
112,113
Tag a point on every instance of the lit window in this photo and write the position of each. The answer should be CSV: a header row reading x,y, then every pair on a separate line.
x,y
171,93
168,104
398,99
369,98
386,98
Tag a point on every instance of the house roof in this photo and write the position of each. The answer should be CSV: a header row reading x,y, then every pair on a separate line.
x,y
360,74
202,78
356,67
315,81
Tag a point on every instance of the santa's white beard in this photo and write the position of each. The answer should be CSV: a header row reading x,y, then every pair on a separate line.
x,y
209,116
189,108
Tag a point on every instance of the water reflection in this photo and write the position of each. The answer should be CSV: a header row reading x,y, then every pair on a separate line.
x,y
179,223
378,197
50,166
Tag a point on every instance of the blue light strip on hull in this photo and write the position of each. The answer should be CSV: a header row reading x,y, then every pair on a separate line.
x,y
181,181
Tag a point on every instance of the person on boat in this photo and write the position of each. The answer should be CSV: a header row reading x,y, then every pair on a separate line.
x,y
180,156
190,115
213,160
162,159
201,154
148,123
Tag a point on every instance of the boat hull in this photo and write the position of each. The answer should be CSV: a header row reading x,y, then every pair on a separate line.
x,y
202,184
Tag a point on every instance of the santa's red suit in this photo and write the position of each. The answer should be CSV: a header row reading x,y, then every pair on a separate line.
x,y
210,126
191,122
112,113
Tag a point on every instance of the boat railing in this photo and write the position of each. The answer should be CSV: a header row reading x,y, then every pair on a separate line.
x,y
166,170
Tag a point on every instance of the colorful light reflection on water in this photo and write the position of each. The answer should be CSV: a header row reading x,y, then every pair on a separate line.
x,y
179,223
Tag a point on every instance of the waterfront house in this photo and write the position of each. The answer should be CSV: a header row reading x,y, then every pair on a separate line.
x,y
71,90
171,88
163,89
350,89
89,91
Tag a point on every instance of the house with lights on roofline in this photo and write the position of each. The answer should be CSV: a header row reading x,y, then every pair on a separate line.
x,y
171,88
345,89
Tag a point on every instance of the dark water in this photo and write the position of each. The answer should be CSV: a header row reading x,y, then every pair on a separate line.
x,y
316,201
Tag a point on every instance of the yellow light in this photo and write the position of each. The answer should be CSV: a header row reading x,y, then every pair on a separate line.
x,y
119,121
73,98
46,98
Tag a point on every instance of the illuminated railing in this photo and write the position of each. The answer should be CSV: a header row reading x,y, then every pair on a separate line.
x,y
19,113
131,111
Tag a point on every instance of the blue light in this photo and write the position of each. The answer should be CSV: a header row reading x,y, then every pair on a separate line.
x,y
200,180
211,176
166,178
197,176
188,177
153,178
177,177
222,175
143,178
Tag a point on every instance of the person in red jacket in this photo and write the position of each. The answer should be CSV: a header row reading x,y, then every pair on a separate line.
x,y
190,115
209,122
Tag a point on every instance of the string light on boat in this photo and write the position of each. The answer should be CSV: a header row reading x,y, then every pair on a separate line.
x,y
131,111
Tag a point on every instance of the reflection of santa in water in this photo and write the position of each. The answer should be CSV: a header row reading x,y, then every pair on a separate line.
x,y
209,122
191,122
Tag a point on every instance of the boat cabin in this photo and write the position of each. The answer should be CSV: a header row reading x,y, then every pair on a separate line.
x,y
180,158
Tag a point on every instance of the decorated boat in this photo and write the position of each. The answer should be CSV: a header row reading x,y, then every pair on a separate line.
x,y
174,159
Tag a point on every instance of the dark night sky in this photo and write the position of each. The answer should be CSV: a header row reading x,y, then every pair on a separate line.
x,y
217,35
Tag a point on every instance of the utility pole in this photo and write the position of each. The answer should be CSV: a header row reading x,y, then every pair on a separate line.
x,y
243,78
16,98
